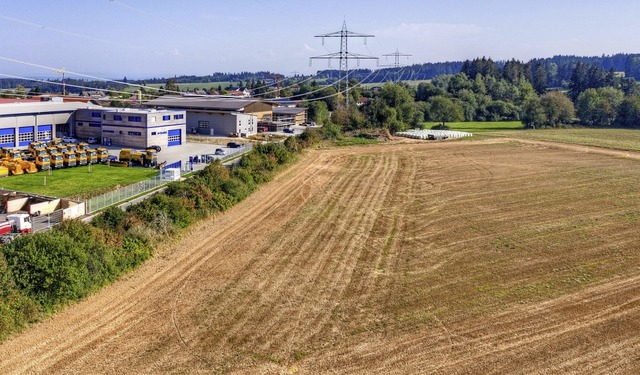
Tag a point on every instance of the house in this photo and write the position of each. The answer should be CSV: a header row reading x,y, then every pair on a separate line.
x,y
288,115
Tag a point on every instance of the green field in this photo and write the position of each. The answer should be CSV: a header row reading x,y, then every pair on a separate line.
x,y
615,139
76,182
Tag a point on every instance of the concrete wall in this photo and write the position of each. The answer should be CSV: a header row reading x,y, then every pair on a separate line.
x,y
222,123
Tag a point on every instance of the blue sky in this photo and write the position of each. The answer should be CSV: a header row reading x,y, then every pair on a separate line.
x,y
162,38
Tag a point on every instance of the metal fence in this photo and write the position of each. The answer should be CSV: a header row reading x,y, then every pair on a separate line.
x,y
47,221
119,195
125,193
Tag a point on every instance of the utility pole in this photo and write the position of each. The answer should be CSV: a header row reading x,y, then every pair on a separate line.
x,y
63,84
397,56
344,55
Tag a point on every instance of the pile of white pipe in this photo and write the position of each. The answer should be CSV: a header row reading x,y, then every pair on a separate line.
x,y
432,134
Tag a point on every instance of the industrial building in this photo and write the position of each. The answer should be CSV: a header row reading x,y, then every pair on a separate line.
x,y
218,115
290,115
137,128
25,121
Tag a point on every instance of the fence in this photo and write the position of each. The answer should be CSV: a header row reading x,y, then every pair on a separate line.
x,y
44,222
105,200
97,203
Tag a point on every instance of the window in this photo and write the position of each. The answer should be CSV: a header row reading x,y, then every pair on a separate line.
x,y
44,135
135,133
166,117
152,119
117,117
80,124
203,124
178,117
7,138
25,137
174,138
153,133
135,118
95,114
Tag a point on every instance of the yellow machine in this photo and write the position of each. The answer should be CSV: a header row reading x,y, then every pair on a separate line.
x,y
81,157
55,142
147,158
11,153
56,160
43,162
83,146
27,166
92,156
103,155
13,167
69,159
4,171
34,146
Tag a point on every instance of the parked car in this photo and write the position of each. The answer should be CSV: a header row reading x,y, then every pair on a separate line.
x,y
288,130
69,140
219,151
92,140
234,145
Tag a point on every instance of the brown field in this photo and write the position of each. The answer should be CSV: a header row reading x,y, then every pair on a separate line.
x,y
468,257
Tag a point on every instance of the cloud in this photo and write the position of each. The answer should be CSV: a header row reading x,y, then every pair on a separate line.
x,y
176,52
308,48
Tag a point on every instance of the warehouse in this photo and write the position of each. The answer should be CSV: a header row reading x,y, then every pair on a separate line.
x,y
25,121
289,115
218,115
138,128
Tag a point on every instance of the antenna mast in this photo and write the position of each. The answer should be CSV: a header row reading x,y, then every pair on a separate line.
x,y
344,55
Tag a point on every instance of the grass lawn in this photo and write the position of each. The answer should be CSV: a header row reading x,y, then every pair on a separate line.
x,y
77,182
481,127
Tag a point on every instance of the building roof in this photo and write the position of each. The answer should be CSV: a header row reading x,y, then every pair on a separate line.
x,y
200,102
9,109
288,110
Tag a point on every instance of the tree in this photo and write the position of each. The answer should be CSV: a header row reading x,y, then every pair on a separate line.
x,y
558,108
533,115
318,112
445,110
539,78
629,112
599,107
393,107
172,85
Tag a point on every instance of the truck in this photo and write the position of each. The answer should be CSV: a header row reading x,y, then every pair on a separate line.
x,y
43,162
102,155
69,158
56,160
36,145
15,224
81,157
92,155
146,158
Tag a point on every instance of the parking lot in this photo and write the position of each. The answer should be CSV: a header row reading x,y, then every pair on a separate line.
x,y
188,150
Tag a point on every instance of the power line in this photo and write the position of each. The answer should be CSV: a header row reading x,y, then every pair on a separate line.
x,y
397,54
344,55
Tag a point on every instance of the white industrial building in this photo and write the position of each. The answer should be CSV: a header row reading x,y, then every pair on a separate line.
x,y
137,128
218,115
25,121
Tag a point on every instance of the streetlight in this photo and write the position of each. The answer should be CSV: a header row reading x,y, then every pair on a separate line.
x,y
61,71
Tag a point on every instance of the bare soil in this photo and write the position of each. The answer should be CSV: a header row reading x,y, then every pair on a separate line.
x,y
495,256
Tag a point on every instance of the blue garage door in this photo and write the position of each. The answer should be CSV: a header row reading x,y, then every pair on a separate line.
x,y
175,137
7,137
44,132
25,135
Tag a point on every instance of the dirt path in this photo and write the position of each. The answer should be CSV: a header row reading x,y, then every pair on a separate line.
x,y
395,258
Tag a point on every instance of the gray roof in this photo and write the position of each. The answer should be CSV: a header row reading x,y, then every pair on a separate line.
x,y
200,102
288,110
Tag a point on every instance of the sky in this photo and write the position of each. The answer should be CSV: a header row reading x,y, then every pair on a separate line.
x,y
141,39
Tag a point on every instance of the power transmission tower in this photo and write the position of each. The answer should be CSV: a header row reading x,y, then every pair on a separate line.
x,y
344,55
397,56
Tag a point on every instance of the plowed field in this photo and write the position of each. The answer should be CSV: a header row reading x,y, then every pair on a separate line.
x,y
434,257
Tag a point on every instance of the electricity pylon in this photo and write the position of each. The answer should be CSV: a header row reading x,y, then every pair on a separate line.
x,y
397,56
344,55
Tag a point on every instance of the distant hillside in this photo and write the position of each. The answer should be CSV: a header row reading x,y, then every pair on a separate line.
x,y
558,70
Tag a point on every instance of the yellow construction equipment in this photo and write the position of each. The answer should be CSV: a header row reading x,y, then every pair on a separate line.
x,y
81,157
83,146
56,160
43,162
4,171
55,142
103,154
69,158
92,156
34,146
145,158
13,167
27,166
